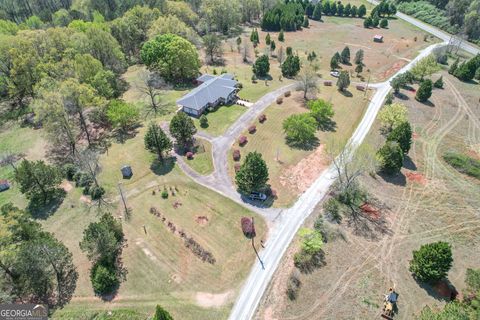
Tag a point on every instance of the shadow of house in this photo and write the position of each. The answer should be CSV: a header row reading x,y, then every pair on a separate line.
x,y
212,91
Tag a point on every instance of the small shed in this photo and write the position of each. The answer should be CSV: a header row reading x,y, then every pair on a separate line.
x,y
4,185
378,38
127,172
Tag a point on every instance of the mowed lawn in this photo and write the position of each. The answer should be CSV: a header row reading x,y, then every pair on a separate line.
x,y
161,270
291,170
202,161
220,119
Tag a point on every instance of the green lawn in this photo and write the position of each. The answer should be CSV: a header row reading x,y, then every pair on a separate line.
x,y
220,119
202,160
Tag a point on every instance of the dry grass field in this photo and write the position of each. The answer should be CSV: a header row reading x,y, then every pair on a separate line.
x,y
429,201
292,170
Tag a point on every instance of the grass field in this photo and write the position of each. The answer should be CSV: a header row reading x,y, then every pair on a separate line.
x,y
429,201
292,170
202,161
220,119
160,269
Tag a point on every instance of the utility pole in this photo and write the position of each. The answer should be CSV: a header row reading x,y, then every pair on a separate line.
x,y
124,201
253,245
368,82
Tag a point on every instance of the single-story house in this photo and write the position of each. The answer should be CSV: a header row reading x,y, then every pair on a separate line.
x,y
212,91
4,185
378,38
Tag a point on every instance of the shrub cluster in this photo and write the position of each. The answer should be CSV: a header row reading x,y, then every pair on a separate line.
x,y
285,16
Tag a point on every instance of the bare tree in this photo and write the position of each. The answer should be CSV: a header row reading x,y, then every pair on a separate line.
x,y
9,158
245,51
148,88
307,80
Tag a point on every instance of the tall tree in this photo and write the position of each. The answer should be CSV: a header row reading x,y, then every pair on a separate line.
x,y
300,129
402,134
157,141
182,129
213,48
432,262
37,180
343,80
221,15
390,157
307,80
253,174
345,55
425,91
261,67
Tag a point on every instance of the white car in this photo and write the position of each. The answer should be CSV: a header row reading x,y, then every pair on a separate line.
x,y
335,74
258,196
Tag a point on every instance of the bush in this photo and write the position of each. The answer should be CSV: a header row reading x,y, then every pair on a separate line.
x,y
293,285
189,155
248,228
261,67
203,121
236,155
237,167
287,94
69,171
96,192
432,262
242,140
252,129
104,279
262,118
164,194
331,208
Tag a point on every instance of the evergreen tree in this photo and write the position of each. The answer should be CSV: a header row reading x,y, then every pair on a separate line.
x,y
439,83
157,141
375,21
390,157
368,22
333,8
182,129
354,11
272,46
317,12
425,91
326,8
291,66
281,36
362,11
305,22
267,39
340,9
432,262
453,67
334,62
161,314
343,80
345,55
253,174
261,67
348,10
402,134
359,57
384,23
289,51
359,69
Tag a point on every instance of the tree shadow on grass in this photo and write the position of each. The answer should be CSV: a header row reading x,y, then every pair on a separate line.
x,y
428,103
396,179
346,93
443,290
401,96
315,262
306,146
409,164
163,168
122,136
328,125
40,210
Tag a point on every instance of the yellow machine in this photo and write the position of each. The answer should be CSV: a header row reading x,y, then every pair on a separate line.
x,y
390,304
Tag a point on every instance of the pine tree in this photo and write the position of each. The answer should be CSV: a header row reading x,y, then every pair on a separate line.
x,y
359,69
157,141
343,80
362,11
317,12
453,67
334,62
439,83
161,314
425,91
267,39
390,157
305,22
345,55
402,134
281,36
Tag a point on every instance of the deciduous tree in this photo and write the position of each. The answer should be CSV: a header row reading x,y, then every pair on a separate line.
x,y
182,129
37,180
253,174
300,129
390,157
157,141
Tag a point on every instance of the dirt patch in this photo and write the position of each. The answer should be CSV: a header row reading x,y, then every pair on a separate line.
x,y
415,135
416,177
213,300
67,186
86,199
304,173
371,211
474,151
268,315
202,220
393,69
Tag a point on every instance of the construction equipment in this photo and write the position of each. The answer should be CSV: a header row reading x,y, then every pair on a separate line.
x,y
390,304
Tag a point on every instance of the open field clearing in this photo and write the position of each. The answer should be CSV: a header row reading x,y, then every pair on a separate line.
x,y
429,201
292,170
160,268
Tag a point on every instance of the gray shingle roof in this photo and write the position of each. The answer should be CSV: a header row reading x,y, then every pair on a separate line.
x,y
209,92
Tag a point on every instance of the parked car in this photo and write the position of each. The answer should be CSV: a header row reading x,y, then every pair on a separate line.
x,y
335,74
257,196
